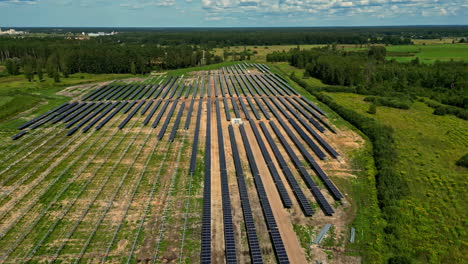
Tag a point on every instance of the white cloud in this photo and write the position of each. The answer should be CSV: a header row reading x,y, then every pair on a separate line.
x,y
138,4
331,9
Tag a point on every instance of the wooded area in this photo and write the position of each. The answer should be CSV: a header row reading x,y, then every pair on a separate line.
x,y
369,73
72,56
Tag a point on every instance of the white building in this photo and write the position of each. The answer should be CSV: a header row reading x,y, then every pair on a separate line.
x,y
11,32
99,34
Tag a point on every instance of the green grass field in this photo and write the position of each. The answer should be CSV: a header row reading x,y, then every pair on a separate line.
x,y
429,53
18,95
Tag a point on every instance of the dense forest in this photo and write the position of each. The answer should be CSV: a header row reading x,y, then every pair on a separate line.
x,y
221,37
395,83
63,56
268,37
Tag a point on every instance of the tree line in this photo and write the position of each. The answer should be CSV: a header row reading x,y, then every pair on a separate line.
x,y
58,57
369,73
240,37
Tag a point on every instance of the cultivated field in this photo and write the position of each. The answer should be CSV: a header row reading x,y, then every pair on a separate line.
x,y
230,164
427,51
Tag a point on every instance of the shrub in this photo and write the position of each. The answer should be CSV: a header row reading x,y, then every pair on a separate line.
x,y
463,161
372,109
393,102
399,260
441,110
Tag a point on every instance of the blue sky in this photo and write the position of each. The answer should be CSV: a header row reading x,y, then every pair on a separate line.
x,y
231,13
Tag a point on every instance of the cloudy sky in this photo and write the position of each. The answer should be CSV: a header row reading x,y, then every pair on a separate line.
x,y
231,13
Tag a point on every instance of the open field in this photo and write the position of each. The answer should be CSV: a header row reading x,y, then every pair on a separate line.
x,y
17,95
259,52
154,170
427,53
430,52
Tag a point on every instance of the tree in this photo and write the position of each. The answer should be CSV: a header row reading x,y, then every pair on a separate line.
x,y
64,67
28,68
377,52
132,68
39,70
372,109
12,66
52,66
56,77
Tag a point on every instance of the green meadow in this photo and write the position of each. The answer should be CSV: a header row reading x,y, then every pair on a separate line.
x,y
428,53
18,95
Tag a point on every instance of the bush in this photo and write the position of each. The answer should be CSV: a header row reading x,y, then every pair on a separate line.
x,y
389,102
339,89
463,161
441,110
399,260
372,109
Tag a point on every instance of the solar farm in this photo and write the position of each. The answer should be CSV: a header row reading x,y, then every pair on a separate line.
x,y
211,167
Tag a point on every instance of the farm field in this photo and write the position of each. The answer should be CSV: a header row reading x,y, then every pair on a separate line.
x,y
427,53
259,52
159,169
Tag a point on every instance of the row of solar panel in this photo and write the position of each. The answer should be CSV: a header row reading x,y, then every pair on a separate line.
x,y
254,246
167,87
286,200
127,92
277,242
229,241
205,253
301,198
327,209
193,157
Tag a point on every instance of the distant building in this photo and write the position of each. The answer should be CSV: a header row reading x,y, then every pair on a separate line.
x,y
11,32
100,34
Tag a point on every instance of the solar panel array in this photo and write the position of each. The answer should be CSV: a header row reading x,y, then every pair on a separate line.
x,y
205,253
257,98
277,242
229,240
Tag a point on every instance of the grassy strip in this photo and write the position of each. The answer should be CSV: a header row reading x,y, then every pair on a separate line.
x,y
17,104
